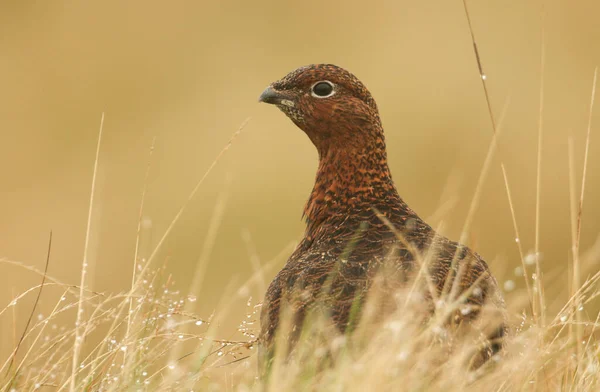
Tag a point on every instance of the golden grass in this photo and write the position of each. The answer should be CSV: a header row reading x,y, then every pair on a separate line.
x,y
151,340
137,349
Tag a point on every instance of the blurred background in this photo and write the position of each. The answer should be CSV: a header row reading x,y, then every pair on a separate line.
x,y
189,73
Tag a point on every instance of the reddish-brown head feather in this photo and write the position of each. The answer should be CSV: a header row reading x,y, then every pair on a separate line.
x,y
346,130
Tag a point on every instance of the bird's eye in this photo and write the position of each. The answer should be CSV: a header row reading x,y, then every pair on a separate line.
x,y
322,89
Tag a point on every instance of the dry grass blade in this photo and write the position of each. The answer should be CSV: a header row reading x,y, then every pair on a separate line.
x,y
538,184
576,278
202,262
576,215
138,233
37,299
480,67
519,245
137,245
78,337
194,191
483,76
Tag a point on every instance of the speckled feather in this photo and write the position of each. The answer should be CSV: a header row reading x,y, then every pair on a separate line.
x,y
346,242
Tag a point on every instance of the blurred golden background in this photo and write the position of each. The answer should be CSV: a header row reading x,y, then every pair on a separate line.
x,y
189,73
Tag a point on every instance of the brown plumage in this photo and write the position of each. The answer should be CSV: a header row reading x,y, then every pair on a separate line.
x,y
349,212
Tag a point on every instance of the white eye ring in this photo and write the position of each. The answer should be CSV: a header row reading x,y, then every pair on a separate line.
x,y
322,85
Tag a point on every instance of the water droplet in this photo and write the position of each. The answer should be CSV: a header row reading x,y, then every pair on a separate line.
x,y
531,258
534,276
191,298
220,353
123,348
519,271
483,77
172,366
180,336
580,308
146,223
509,285
144,373
517,240
199,322
563,318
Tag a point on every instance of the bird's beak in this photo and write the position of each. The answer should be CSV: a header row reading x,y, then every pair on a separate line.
x,y
271,96
274,97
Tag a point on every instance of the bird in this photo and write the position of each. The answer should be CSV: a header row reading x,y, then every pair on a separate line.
x,y
356,222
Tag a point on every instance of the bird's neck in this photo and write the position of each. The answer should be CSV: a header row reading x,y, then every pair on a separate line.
x,y
350,182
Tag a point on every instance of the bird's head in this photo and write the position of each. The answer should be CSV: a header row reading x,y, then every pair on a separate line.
x,y
329,104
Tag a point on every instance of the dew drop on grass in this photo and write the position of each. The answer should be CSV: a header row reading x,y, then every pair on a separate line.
x,y
199,322
517,240
519,271
191,298
563,318
146,223
483,76
509,285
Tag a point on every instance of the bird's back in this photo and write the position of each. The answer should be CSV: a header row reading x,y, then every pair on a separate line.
x,y
335,269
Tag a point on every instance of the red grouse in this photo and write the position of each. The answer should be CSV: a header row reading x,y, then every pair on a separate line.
x,y
356,220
